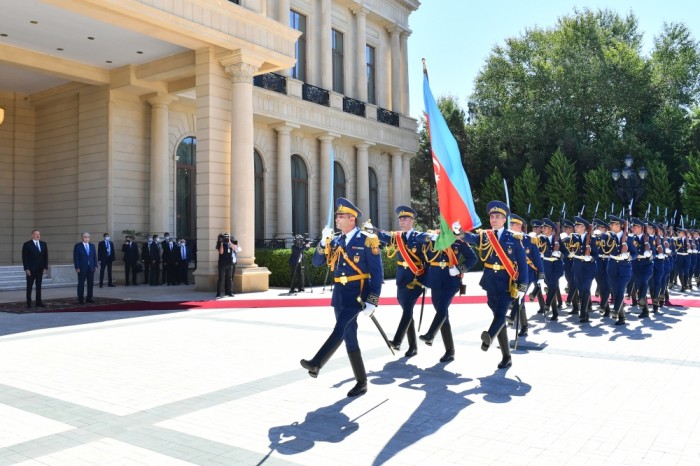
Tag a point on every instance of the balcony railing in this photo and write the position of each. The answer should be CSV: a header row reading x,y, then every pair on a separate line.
x,y
316,95
356,107
387,116
271,81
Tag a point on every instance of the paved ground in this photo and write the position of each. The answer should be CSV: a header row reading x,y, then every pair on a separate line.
x,y
224,386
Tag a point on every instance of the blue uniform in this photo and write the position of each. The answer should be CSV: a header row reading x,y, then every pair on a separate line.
x,y
619,268
553,270
601,275
682,265
535,272
642,270
584,269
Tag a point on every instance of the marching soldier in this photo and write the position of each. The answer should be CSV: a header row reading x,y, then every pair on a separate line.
x,y
550,251
356,263
601,274
659,261
538,290
568,229
643,267
504,278
682,259
584,267
444,278
407,246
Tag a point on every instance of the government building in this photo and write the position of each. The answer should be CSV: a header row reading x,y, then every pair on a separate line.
x,y
198,117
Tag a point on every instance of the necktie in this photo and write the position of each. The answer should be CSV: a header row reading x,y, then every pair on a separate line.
x,y
38,246
342,241
87,249
183,253
108,248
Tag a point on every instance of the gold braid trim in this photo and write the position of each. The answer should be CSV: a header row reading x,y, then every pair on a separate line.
x,y
391,248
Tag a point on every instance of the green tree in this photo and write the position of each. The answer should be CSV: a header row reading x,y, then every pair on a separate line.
x,y
690,199
598,191
659,192
526,192
561,184
492,190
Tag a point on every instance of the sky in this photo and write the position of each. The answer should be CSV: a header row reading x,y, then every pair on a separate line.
x,y
456,36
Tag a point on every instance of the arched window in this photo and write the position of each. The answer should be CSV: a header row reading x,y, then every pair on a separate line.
x,y
300,196
373,197
186,194
339,181
259,198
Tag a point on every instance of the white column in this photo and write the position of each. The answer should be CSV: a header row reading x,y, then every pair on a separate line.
x,y
160,165
284,179
395,69
283,17
406,178
326,52
362,176
405,109
397,190
360,53
324,175
242,165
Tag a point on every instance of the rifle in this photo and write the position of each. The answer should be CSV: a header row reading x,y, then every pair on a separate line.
x,y
623,241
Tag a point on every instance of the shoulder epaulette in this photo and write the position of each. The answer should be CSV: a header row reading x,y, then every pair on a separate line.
x,y
517,234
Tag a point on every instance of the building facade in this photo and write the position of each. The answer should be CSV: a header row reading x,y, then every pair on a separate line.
x,y
198,117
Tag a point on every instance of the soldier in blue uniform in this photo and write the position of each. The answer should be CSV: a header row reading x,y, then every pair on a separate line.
x,y
669,263
568,258
621,251
601,274
584,267
535,270
407,246
356,263
538,290
643,267
693,255
550,251
659,261
444,277
505,274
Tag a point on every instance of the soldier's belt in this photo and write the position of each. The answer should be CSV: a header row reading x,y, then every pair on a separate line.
x,y
682,253
603,256
550,259
405,264
495,267
352,278
618,258
441,264
581,258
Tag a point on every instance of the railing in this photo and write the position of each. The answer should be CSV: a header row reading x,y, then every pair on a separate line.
x,y
316,95
387,116
271,81
356,107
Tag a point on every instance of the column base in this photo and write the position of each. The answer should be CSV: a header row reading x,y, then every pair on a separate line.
x,y
251,279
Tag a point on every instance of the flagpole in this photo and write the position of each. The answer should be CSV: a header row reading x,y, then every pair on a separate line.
x,y
329,220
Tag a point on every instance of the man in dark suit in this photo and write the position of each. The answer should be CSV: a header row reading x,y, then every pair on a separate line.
x,y
131,258
85,262
154,257
106,255
169,259
146,258
184,256
35,258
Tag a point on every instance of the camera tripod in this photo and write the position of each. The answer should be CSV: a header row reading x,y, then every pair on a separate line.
x,y
300,268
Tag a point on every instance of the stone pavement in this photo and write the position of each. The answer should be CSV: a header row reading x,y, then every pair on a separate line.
x,y
224,386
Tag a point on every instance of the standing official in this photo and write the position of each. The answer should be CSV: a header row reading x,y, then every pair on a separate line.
x,y
356,263
106,256
184,257
85,263
35,260
225,265
131,258
154,257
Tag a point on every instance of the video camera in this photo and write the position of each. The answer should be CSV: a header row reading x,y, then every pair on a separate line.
x,y
302,241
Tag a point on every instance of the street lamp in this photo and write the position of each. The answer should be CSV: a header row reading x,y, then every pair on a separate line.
x,y
628,182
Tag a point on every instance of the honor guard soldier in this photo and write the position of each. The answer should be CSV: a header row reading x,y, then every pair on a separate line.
x,y
535,269
601,274
643,267
407,246
659,261
567,227
356,263
550,251
682,263
444,278
670,265
584,267
622,251
538,290
504,278
692,258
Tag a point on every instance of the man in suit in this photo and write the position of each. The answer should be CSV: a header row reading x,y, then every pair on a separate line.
x,y
183,256
85,262
105,256
169,259
154,260
131,258
35,258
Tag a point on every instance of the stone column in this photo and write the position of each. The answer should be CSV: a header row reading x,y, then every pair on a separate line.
x,y
405,108
406,178
284,179
324,174
360,53
395,69
397,190
362,176
326,52
283,17
160,208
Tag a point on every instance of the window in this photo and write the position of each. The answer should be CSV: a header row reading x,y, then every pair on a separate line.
x,y
298,21
338,70
300,196
371,54
339,182
186,195
373,197
259,198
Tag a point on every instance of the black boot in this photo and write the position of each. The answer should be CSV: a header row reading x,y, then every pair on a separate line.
x,y
505,349
434,327
584,310
412,340
621,316
555,311
607,310
358,368
540,301
523,321
322,357
446,332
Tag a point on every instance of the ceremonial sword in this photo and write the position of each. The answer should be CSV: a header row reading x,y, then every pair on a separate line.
x,y
379,327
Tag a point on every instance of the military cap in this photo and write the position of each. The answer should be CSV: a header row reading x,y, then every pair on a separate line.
x,y
515,218
343,206
615,219
581,221
601,222
567,223
498,207
548,223
405,211
535,223
636,221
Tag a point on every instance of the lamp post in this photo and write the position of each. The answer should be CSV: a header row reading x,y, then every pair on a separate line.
x,y
628,183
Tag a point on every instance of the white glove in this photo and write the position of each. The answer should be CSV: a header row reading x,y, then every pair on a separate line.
x,y
541,284
434,237
668,251
369,309
587,258
563,236
532,234
661,256
457,228
647,254
597,232
571,255
556,253
625,255
454,271
325,234
521,295
367,226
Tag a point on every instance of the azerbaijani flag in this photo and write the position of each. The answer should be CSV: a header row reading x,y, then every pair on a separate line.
x,y
453,190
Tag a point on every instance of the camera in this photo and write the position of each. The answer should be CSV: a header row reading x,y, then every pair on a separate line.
x,y
302,241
